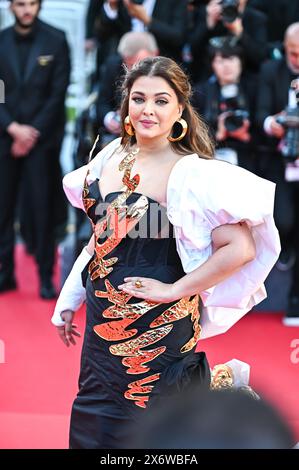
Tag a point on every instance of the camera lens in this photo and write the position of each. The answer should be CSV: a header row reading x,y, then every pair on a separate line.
x,y
235,120
230,10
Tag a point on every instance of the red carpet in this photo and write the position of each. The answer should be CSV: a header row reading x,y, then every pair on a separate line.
x,y
39,374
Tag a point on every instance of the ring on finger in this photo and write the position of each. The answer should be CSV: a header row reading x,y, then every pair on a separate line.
x,y
138,284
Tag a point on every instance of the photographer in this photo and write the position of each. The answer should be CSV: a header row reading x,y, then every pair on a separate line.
x,y
277,102
226,101
228,18
167,20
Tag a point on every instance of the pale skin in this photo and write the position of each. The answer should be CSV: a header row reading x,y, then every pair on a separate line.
x,y
153,100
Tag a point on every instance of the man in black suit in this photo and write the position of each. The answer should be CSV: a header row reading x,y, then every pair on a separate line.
x,y
35,68
167,20
275,94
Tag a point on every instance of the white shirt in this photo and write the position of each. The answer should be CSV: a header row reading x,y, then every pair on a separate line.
x,y
202,195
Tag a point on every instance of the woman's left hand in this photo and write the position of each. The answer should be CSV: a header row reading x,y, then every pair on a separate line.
x,y
150,289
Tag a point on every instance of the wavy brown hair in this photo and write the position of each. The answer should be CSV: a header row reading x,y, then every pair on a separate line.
x,y
197,139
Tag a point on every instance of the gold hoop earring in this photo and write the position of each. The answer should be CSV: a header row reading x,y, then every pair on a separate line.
x,y
184,125
128,126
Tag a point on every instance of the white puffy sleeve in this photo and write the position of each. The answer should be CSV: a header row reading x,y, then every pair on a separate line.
x,y
73,293
73,182
204,194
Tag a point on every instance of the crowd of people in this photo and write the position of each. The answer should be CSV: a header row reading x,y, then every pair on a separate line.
x,y
242,58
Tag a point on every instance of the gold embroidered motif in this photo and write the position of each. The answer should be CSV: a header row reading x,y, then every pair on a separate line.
x,y
177,311
129,313
180,310
126,165
113,295
222,376
136,363
140,387
119,220
87,202
120,227
195,314
131,347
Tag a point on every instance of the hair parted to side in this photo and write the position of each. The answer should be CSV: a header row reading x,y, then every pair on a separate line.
x,y
197,139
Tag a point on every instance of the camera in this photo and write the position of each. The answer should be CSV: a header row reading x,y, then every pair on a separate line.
x,y
234,105
289,146
197,3
235,119
230,11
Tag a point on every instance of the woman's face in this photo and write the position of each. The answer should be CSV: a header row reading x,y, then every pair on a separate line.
x,y
153,107
227,69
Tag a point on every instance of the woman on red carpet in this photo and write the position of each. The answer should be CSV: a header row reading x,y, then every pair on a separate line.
x,y
172,227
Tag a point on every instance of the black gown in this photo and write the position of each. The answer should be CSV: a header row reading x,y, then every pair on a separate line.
x,y
135,352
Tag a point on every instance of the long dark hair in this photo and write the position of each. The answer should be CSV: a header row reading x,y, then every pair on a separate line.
x,y
197,139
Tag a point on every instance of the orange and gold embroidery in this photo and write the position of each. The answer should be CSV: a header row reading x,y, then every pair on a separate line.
x,y
120,219
140,387
100,267
177,311
136,363
182,309
87,201
195,314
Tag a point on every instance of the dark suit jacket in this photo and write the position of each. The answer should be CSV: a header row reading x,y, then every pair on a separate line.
x,y
92,17
252,41
273,91
274,84
36,98
280,14
169,26
109,96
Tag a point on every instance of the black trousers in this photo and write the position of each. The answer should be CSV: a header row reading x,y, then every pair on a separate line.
x,y
35,172
286,210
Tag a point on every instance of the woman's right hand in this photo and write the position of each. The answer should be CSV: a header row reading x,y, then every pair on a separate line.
x,y
68,330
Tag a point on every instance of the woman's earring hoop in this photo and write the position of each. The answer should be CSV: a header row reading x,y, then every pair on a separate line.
x,y
128,126
184,125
